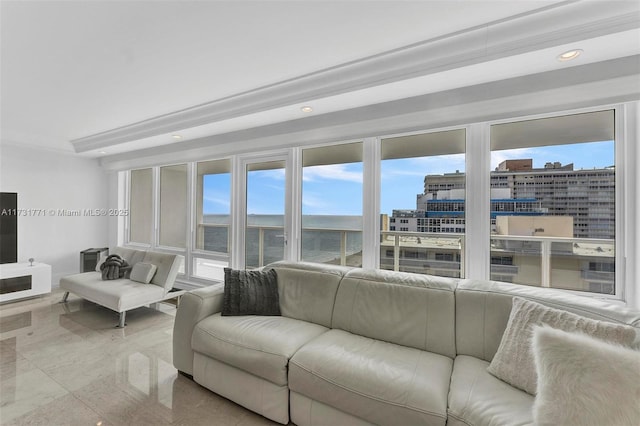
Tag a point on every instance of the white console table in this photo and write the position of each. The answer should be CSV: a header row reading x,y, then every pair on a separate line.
x,y
18,280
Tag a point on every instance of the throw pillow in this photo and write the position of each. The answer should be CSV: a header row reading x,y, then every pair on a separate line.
x,y
143,272
513,362
250,293
114,267
584,381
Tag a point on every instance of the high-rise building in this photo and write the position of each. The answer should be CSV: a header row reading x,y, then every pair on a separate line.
x,y
556,190
549,204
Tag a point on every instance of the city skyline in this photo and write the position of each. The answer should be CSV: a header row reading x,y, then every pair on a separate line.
x,y
337,189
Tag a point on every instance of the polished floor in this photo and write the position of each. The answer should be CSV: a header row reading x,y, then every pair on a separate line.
x,y
66,364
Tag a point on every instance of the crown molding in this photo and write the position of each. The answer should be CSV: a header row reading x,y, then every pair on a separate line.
x,y
557,24
603,83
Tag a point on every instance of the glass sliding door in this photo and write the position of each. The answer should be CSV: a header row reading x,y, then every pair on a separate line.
x,y
265,237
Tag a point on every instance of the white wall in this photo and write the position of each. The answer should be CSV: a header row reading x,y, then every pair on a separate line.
x,y
51,181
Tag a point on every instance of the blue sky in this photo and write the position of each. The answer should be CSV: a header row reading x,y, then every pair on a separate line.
x,y
337,189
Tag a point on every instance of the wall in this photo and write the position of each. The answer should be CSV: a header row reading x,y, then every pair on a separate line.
x,y
57,187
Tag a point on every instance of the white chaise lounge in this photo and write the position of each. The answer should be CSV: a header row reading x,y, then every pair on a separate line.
x,y
125,294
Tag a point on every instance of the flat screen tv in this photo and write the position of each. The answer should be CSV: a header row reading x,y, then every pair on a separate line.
x,y
8,227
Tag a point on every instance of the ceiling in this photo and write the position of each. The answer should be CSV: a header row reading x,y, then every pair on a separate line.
x,y
100,78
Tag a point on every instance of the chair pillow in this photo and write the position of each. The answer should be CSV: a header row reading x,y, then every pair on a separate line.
x,y
584,381
513,362
250,293
143,272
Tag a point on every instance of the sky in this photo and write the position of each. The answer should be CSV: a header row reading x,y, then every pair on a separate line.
x,y
337,189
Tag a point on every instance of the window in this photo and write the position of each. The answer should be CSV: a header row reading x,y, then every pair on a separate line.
x,y
264,231
213,209
173,206
543,200
554,241
423,179
332,204
141,206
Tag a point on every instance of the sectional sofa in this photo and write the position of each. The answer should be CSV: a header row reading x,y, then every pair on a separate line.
x,y
357,347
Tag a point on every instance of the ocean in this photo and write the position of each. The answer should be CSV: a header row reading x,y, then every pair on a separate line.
x,y
322,237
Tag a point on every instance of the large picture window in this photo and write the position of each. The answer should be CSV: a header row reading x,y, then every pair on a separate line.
x,y
213,205
173,206
423,203
213,219
141,206
531,201
553,202
332,204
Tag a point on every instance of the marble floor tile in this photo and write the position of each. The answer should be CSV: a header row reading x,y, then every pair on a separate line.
x,y
66,410
27,391
67,364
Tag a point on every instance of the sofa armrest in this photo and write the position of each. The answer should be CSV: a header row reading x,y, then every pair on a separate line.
x,y
194,307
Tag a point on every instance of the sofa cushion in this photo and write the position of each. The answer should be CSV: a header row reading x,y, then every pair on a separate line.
x,y
307,290
119,295
250,292
478,398
584,381
380,382
513,361
407,309
261,345
483,309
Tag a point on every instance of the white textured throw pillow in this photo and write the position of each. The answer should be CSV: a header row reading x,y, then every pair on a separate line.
x,y
143,272
584,381
513,362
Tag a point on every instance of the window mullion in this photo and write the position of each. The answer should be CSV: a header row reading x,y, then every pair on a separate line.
x,y
478,202
371,204
294,234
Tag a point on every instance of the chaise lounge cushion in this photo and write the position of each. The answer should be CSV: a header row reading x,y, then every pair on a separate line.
x,y
143,272
167,268
380,382
119,295
478,398
131,256
261,345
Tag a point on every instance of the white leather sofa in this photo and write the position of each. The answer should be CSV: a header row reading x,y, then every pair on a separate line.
x,y
122,295
358,347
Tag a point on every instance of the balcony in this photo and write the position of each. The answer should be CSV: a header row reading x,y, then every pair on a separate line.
x,y
553,262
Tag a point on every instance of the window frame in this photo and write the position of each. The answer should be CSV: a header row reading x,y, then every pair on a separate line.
x,y
477,229
623,184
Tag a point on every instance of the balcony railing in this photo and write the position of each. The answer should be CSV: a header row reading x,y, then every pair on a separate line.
x,y
553,262
423,253
556,262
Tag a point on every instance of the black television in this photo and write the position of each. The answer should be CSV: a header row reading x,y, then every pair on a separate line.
x,y
8,227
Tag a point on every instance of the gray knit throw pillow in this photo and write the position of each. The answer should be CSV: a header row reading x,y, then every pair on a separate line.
x,y
250,293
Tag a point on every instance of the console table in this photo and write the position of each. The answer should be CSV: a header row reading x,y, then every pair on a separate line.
x,y
19,280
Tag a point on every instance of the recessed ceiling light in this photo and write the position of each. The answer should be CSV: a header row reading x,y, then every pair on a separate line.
x,y
306,109
570,54
176,136
102,152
